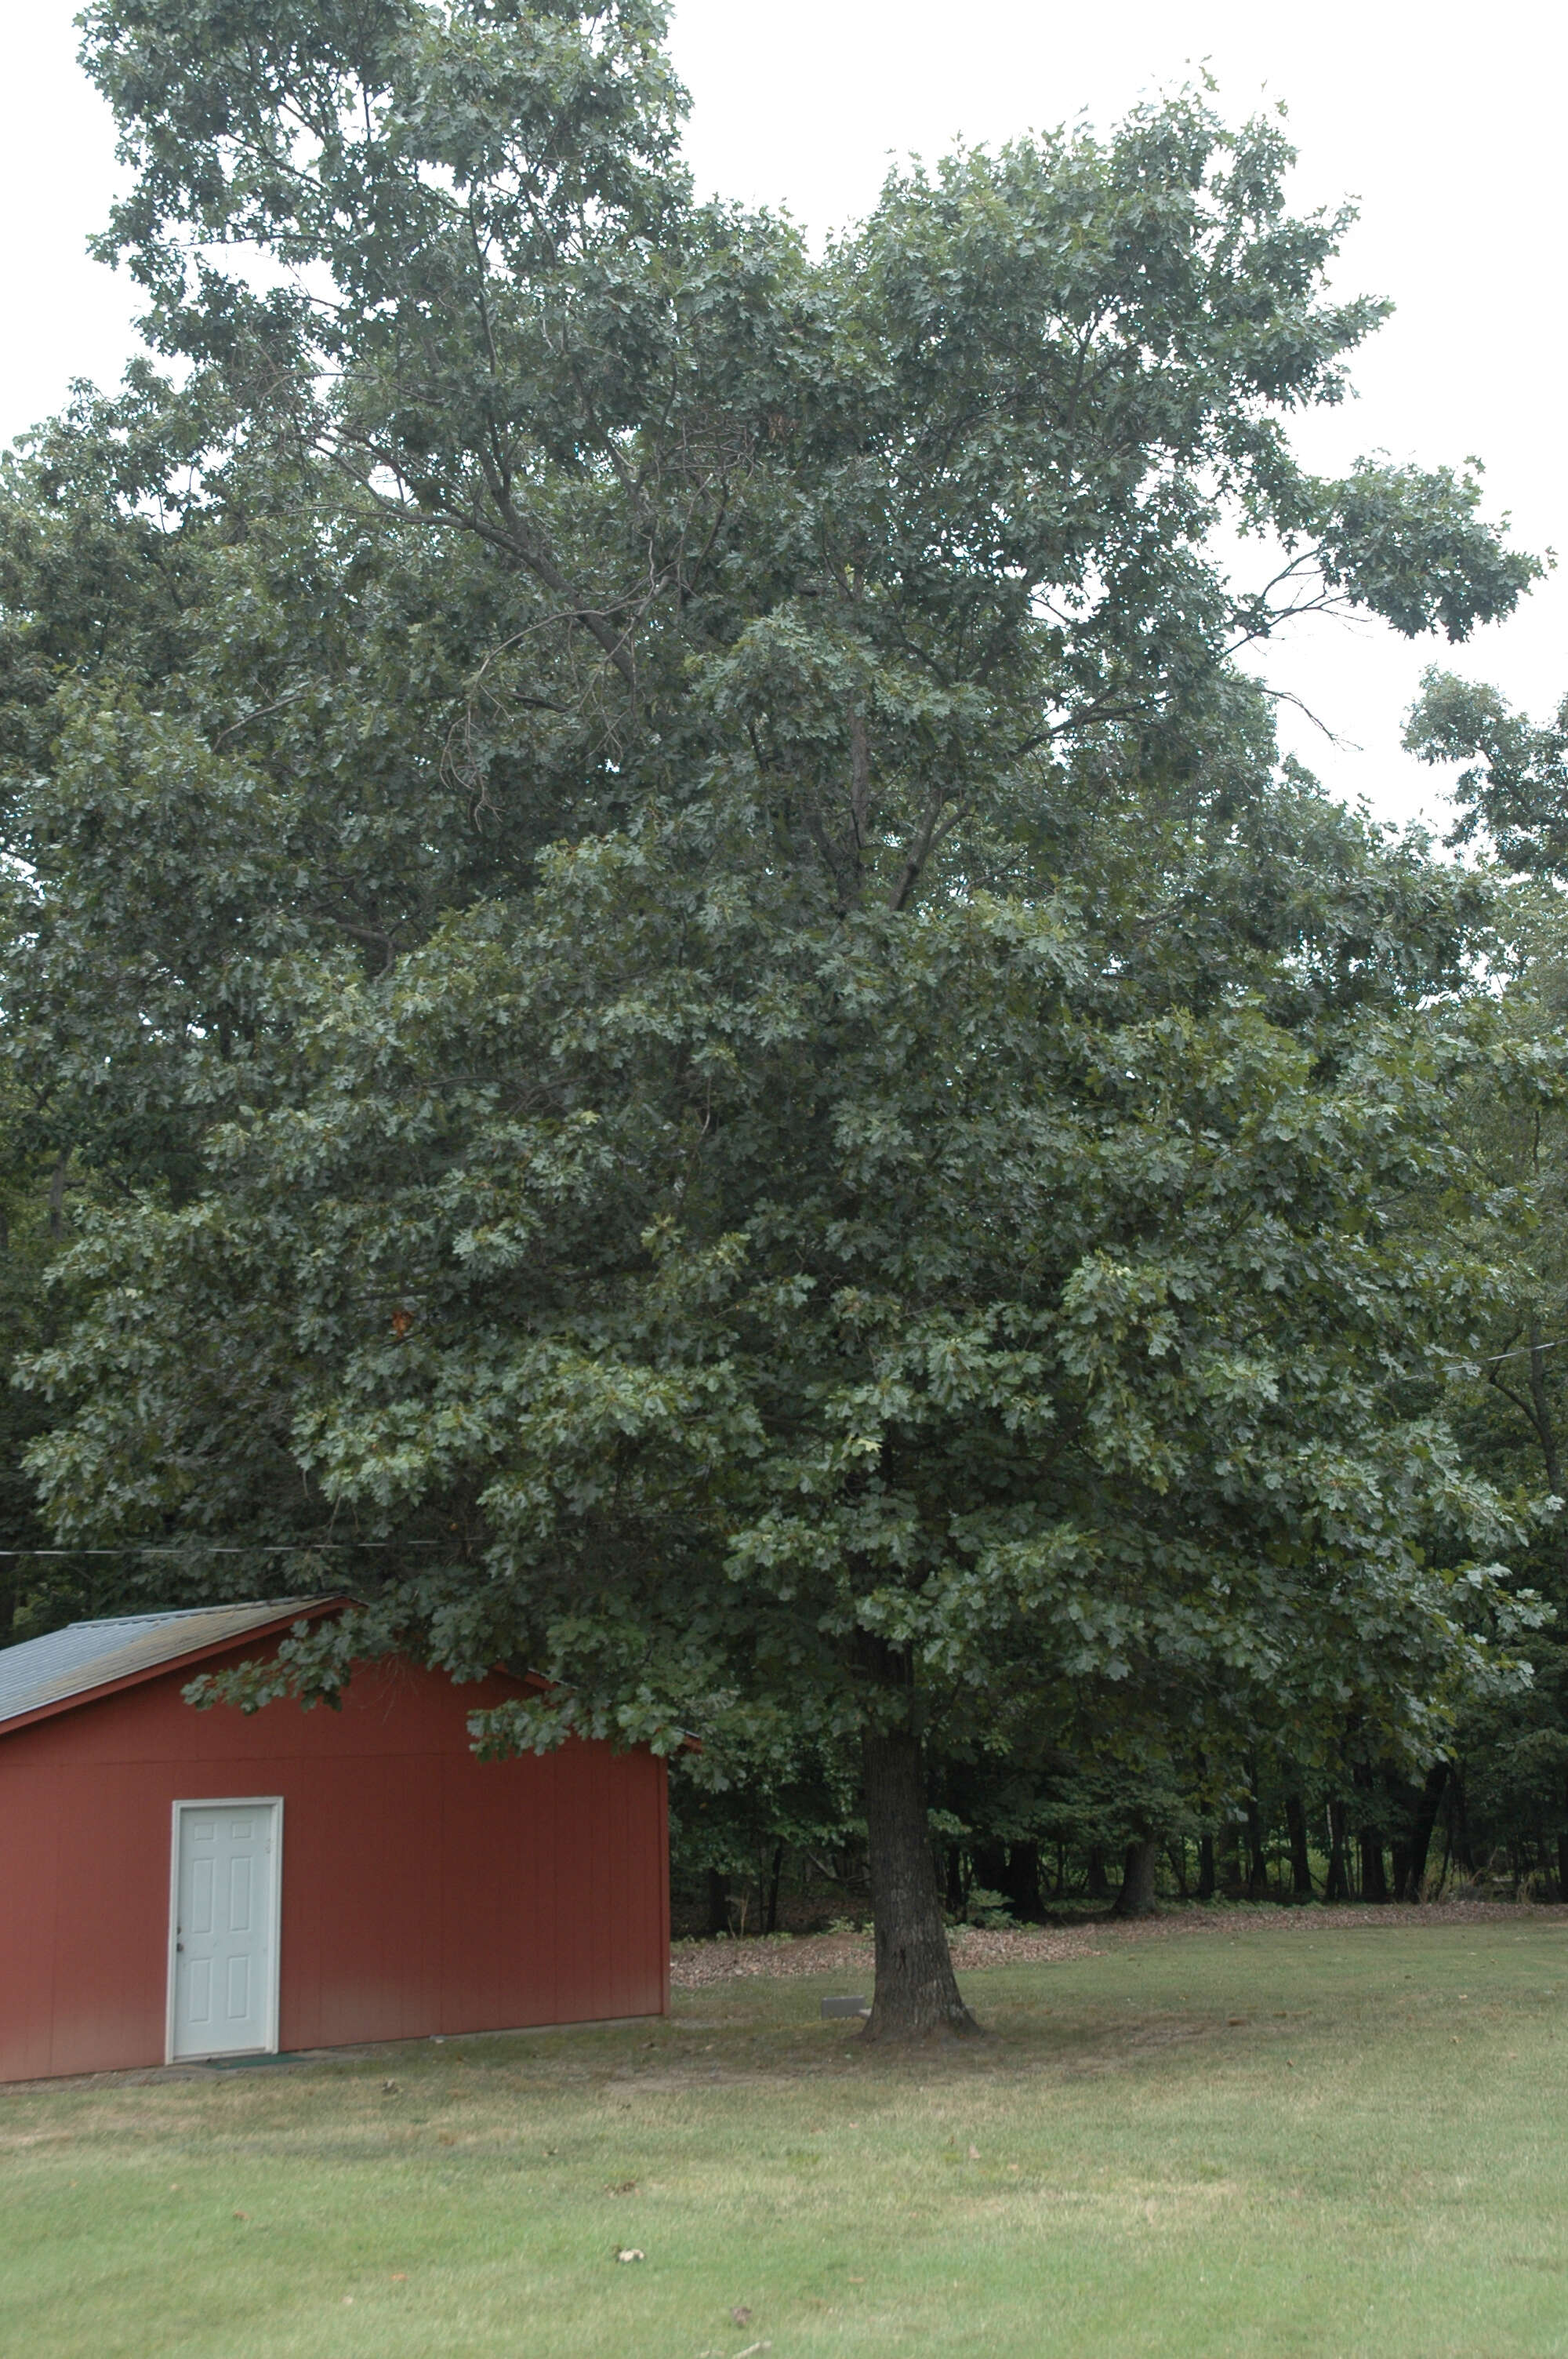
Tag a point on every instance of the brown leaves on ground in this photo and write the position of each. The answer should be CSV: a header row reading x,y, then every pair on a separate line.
x,y
695,1964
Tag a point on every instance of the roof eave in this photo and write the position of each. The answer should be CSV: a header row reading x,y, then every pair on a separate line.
x,y
262,1630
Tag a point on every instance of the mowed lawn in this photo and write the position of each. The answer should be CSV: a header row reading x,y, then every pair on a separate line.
x,y
1249,2138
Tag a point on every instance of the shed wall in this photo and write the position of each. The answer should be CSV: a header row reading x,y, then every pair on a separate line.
x,y
423,1891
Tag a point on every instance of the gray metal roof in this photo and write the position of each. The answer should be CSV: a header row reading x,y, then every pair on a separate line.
x,y
89,1655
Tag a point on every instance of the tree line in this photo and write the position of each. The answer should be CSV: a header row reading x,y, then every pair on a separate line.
x,y
668,1013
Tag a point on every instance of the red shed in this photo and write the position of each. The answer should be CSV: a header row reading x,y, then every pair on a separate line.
x,y
177,1884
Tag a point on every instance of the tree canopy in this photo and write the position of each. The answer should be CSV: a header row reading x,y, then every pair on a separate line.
x,y
693,1007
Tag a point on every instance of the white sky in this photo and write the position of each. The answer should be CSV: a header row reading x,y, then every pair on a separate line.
x,y
1445,122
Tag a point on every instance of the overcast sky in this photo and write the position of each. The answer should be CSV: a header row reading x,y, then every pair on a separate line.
x,y
1445,125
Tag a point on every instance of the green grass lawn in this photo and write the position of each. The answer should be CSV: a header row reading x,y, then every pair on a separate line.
x,y
1374,2160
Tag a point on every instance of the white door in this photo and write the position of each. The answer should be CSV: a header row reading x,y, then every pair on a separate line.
x,y
223,1983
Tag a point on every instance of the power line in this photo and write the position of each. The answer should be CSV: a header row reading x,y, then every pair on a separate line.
x,y
245,1547
1524,1352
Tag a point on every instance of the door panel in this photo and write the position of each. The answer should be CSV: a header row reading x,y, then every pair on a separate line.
x,y
225,1941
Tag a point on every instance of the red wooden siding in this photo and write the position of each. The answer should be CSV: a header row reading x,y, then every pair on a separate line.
x,y
423,1890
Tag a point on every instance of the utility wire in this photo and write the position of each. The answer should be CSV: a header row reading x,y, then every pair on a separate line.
x,y
1525,1352
246,1547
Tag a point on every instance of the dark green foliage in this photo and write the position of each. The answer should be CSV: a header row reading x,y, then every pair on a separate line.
x,y
764,1288
698,1010
1516,795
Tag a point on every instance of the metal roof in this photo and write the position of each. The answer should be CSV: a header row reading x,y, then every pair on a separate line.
x,y
91,1655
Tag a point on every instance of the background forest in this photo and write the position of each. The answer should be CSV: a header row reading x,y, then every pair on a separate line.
x,y
667,1012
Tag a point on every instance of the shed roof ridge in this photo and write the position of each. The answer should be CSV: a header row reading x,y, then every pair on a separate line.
x,y
179,1613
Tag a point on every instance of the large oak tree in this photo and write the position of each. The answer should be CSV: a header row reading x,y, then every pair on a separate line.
x,y
644,853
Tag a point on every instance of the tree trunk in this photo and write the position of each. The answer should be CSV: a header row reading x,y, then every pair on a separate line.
x,y
770,1905
1541,1408
1021,1886
1229,1846
1399,1855
57,1194
718,1902
916,1995
1301,1856
1205,1867
1257,1853
1459,1825
1423,1827
1099,1883
1136,1897
988,1861
1337,1884
1374,1883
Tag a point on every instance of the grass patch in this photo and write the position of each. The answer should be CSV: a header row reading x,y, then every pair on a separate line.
x,y
1244,2140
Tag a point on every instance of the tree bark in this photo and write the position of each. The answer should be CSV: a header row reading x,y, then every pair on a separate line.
x,y
1374,1882
1022,1884
718,1902
1408,1886
1136,1897
1257,1853
1541,1407
771,1904
1459,1825
1205,1867
57,1194
916,1995
1337,1883
1301,1856
988,1861
1227,1844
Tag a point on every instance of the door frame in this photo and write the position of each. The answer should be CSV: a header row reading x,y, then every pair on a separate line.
x,y
273,1802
